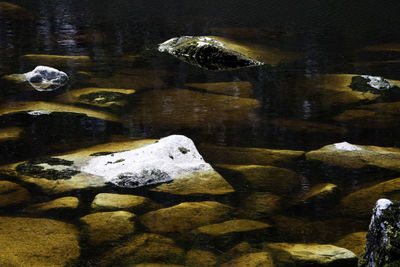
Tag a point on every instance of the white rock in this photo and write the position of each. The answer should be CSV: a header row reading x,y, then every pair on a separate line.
x,y
44,78
377,82
171,158
347,146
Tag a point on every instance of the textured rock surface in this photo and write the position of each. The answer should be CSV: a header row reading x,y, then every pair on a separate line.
x,y
110,226
37,242
260,205
107,202
64,204
185,216
373,84
12,194
44,78
257,259
354,242
200,258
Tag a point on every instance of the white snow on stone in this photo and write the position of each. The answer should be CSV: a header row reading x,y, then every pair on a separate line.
x,y
378,82
166,46
200,44
39,112
170,158
50,78
347,146
381,205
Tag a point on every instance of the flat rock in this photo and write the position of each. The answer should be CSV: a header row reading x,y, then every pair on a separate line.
x,y
108,202
182,108
260,205
354,242
270,179
244,155
239,88
144,248
37,242
357,156
185,216
12,194
64,204
256,259
361,202
58,60
102,227
200,258
314,254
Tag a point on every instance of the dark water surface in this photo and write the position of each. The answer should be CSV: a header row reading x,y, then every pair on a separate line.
x,y
295,111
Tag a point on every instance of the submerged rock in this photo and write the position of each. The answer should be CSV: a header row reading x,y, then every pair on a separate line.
x,y
12,194
383,237
260,205
373,84
256,259
107,202
10,133
64,204
44,78
37,242
59,61
200,258
354,242
206,52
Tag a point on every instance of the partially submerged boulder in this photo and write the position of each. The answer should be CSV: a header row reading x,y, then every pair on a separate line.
x,y
383,237
206,52
373,84
44,78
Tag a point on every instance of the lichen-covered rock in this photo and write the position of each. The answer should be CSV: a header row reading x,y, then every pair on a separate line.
x,y
64,204
12,194
383,237
185,216
373,84
102,227
44,78
206,52
108,202
143,248
200,258
256,259
37,242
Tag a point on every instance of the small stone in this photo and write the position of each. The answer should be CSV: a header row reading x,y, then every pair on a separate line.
x,y
108,202
44,78
105,227
200,258
60,204
12,194
185,216
257,259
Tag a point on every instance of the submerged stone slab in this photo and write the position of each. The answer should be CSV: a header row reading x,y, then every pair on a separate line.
x,y
64,204
388,47
12,194
44,78
107,202
182,108
314,254
239,88
206,52
185,216
320,196
231,227
37,242
357,156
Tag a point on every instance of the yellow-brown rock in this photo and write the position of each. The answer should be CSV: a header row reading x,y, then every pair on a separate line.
x,y
108,202
60,61
232,226
260,205
200,258
59,204
256,259
12,194
354,242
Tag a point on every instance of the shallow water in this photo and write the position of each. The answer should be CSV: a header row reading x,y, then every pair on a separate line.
x,y
291,105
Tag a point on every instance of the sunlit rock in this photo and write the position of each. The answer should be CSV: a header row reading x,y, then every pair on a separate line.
x,y
13,11
361,202
12,194
108,202
144,248
319,197
200,258
64,204
250,156
260,205
60,61
383,237
270,179
256,259
185,216
37,242
239,88
379,115
313,254
206,52
102,227
357,156
44,78
182,108
354,242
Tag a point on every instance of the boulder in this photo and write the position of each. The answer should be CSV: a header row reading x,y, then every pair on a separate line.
x,y
354,242
143,248
64,204
260,205
183,109
185,216
12,194
250,156
37,242
200,258
206,52
313,254
44,78
108,202
361,202
357,156
238,89
256,259
236,251
103,227
383,237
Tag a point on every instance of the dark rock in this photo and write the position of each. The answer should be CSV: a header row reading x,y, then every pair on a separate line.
x,y
383,237
207,53
373,84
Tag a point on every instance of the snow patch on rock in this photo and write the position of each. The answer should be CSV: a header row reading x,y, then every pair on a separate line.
x,y
170,158
377,82
44,78
347,146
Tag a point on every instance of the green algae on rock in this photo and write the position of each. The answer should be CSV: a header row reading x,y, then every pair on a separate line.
x,y
37,242
206,52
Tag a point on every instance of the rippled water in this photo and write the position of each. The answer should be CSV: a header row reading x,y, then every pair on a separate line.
x,y
293,104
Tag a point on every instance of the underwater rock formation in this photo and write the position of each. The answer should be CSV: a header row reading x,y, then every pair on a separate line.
x,y
383,237
207,53
44,78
